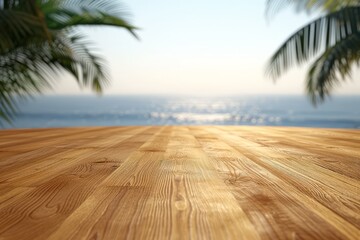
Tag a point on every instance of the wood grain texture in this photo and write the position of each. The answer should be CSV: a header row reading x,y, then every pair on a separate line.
x,y
180,182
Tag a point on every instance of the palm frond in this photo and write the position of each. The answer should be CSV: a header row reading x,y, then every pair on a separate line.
x,y
61,14
37,44
87,68
19,77
331,67
63,18
109,6
16,4
29,70
16,27
317,36
274,6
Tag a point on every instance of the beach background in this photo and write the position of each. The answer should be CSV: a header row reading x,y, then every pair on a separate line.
x,y
264,110
175,72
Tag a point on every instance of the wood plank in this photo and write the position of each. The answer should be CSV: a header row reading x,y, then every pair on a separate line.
x,y
332,190
269,199
180,182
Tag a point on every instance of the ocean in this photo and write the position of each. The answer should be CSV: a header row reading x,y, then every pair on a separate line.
x,y
66,111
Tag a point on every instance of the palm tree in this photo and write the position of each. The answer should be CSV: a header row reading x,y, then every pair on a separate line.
x,y
333,39
39,40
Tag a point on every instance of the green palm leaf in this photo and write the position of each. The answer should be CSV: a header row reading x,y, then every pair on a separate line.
x,y
273,6
15,26
63,19
38,43
68,13
317,36
109,6
332,66
28,71
334,36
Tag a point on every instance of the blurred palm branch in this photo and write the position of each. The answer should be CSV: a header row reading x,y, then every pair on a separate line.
x,y
39,40
333,39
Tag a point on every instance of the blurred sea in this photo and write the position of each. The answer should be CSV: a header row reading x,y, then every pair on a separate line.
x,y
64,111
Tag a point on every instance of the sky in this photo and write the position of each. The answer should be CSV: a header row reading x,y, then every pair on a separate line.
x,y
198,47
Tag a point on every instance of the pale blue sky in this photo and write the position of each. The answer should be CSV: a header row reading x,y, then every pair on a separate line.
x,y
198,47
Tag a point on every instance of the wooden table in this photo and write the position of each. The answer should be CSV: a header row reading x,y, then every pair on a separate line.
x,y
179,182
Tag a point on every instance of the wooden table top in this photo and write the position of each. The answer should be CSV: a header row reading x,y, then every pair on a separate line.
x,y
180,182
